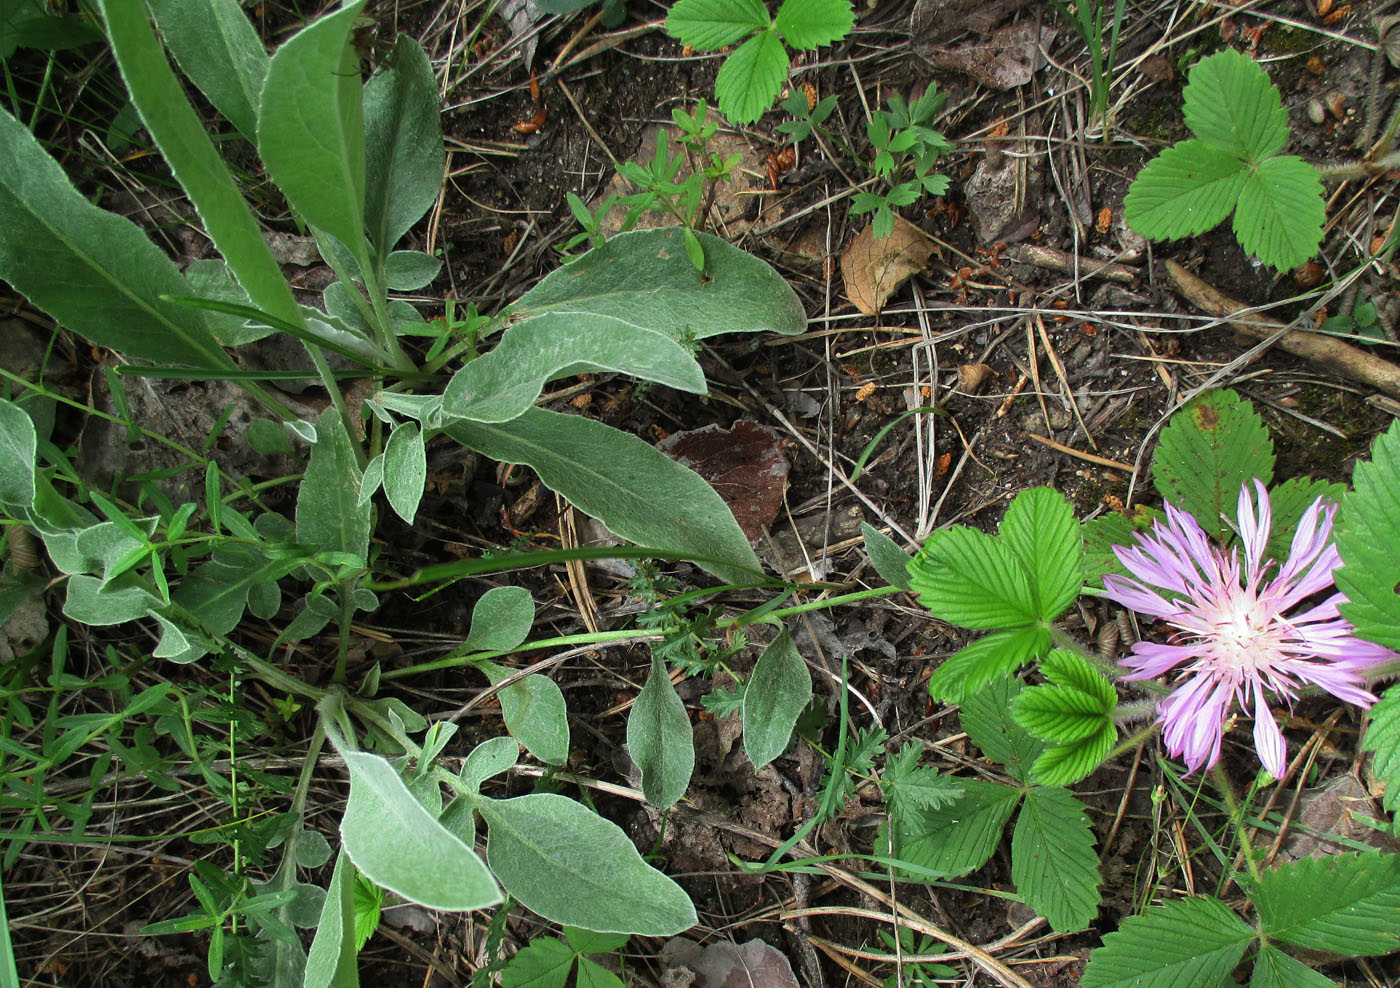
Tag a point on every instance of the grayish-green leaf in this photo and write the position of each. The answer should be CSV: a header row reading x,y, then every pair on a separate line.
x,y
403,147
396,843
1052,859
405,469
216,46
646,279
371,480
330,963
636,491
93,271
491,757
569,865
18,446
311,126
410,270
88,603
502,384
660,739
889,560
501,620
534,712
329,513
775,695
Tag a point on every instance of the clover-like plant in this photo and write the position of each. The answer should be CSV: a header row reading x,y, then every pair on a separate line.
x,y
1232,163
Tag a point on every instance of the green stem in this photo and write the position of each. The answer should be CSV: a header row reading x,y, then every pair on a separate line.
x,y
1236,811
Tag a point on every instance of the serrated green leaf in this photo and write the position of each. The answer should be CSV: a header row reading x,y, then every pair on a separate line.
x,y
1383,738
956,838
1067,763
1346,903
889,560
569,865
987,719
1101,534
1280,212
710,25
369,899
969,578
1367,531
1230,103
1040,528
1213,446
404,156
405,469
989,658
543,963
660,739
1184,944
1052,859
1288,501
774,697
588,942
812,23
1059,715
910,788
591,974
1275,969
1064,668
1186,190
749,80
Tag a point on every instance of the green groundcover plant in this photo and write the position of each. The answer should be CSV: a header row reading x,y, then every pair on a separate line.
x,y
1232,164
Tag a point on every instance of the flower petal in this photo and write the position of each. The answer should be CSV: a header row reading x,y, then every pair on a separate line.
x,y
1268,739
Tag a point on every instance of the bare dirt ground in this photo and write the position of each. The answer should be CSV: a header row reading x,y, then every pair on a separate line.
x,y
1048,368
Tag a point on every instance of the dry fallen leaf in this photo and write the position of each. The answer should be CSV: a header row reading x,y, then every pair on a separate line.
x,y
744,464
727,965
971,377
1004,59
873,269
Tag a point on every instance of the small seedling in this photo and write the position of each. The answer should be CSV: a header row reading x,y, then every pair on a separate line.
x,y
1362,322
1232,164
751,78
907,149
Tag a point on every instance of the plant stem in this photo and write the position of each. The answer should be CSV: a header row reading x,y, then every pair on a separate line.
x,y
1232,804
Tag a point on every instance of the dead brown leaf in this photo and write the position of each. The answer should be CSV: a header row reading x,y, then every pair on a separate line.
x,y
728,965
1004,59
873,269
745,465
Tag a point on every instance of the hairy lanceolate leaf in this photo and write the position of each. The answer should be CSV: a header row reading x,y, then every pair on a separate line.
x,y
489,758
660,739
404,155
329,515
93,271
1275,969
1383,738
1346,903
638,492
987,719
1231,104
502,384
889,560
775,695
971,579
645,278
749,80
535,713
311,126
710,25
1186,190
1040,528
1280,212
1213,446
569,865
1189,943
813,23
1052,859
18,446
989,658
955,838
216,46
405,469
1368,529
331,961
398,844
501,620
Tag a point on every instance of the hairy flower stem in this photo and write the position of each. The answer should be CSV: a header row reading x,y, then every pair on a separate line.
x,y
1236,810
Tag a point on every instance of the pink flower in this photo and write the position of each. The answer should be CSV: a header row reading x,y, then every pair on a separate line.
x,y
1237,641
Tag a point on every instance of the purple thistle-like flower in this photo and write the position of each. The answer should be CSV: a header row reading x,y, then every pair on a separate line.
x,y
1237,640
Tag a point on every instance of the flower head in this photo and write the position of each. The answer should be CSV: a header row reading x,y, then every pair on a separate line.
x,y
1242,634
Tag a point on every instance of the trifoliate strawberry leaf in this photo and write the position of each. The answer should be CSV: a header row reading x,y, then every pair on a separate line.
x,y
1207,452
1063,668
812,23
1275,969
1058,714
1288,501
1346,903
1186,190
990,657
971,579
1052,859
957,838
710,25
749,80
1368,530
1383,738
1280,213
544,963
1189,943
986,717
1230,103
1040,528
591,974
1069,762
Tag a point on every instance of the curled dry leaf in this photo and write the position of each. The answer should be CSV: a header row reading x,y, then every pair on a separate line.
x,y
728,965
971,377
744,464
873,269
